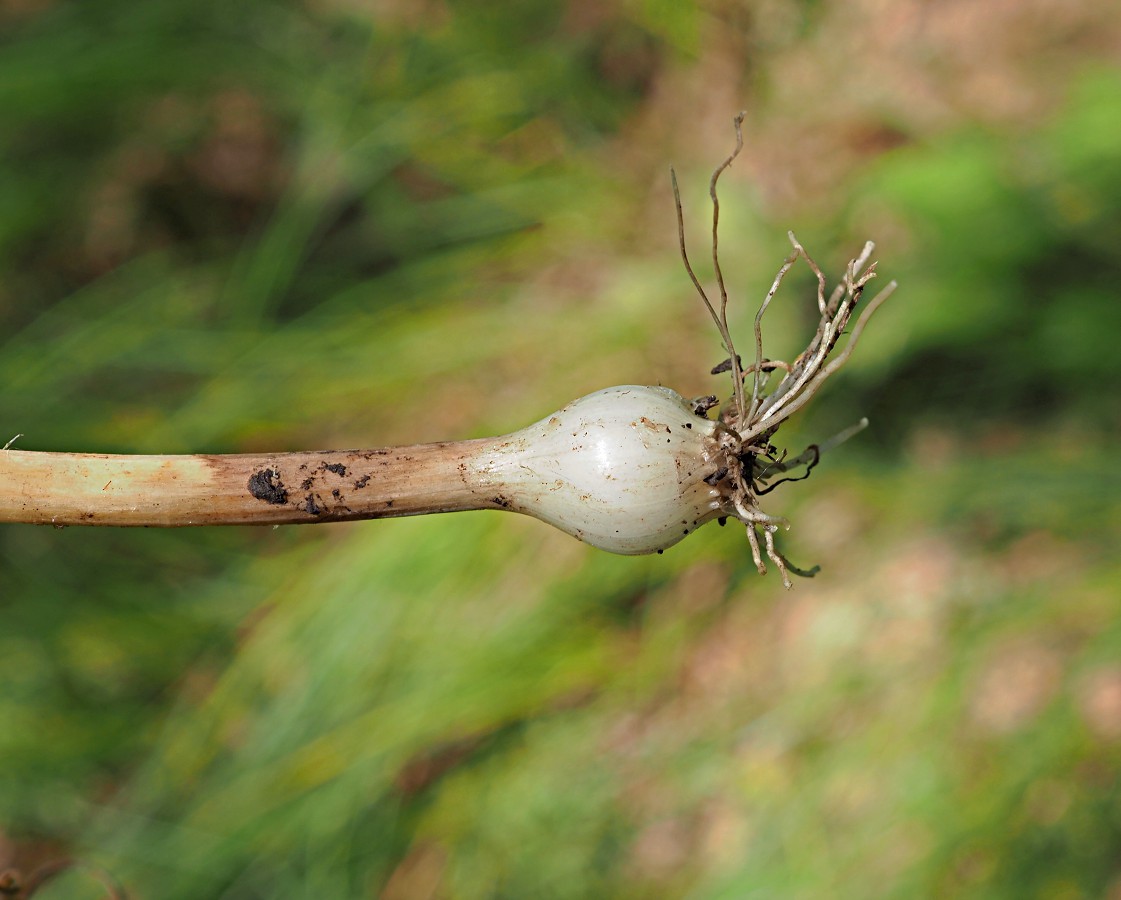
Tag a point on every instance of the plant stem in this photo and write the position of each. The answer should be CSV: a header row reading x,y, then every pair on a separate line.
x,y
243,489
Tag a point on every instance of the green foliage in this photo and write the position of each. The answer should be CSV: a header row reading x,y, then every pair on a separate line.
x,y
232,227
1013,276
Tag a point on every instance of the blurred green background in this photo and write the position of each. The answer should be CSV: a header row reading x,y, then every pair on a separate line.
x,y
228,227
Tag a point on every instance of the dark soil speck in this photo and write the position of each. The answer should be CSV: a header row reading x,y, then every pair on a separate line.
x,y
266,485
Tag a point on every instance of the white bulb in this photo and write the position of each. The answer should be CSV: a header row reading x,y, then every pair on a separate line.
x,y
622,469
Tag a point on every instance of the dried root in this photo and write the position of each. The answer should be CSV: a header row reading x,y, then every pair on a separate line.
x,y
748,463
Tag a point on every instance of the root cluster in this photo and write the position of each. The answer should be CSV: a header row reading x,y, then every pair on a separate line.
x,y
748,463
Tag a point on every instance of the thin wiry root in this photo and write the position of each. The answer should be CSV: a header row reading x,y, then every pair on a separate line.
x,y
745,432
841,436
775,556
721,317
801,251
755,516
757,383
784,565
753,542
769,365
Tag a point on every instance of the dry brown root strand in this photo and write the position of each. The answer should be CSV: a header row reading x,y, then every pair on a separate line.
x,y
719,318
